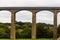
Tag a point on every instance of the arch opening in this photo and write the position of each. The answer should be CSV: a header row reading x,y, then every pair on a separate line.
x,y
44,20
5,20
24,24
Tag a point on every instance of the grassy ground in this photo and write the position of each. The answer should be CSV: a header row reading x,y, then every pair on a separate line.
x,y
36,39
29,39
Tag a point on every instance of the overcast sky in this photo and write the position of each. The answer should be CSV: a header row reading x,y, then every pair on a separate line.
x,y
30,3
42,16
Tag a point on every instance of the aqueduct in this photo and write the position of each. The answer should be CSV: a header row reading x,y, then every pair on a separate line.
x,y
34,10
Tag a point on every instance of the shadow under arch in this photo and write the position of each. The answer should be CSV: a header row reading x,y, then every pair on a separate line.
x,y
46,11
23,10
24,16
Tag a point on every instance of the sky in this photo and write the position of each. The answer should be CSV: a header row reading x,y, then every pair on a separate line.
x,y
26,16
29,3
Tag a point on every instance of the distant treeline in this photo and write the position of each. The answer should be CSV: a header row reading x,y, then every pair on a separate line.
x,y
23,30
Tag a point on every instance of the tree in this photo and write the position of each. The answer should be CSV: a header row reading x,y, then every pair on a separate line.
x,y
4,31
